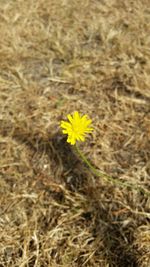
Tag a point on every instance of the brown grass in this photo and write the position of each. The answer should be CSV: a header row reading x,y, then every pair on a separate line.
x,y
57,57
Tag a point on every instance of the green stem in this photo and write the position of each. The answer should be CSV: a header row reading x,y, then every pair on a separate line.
x,y
107,177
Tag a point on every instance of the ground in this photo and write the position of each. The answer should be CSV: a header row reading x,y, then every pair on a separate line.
x,y
57,57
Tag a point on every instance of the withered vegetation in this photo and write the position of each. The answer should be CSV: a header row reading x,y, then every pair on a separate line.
x,y
57,57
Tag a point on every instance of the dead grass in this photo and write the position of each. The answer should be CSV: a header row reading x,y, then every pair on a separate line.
x,y
57,57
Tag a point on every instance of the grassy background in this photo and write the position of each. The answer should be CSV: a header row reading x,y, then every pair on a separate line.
x,y
57,57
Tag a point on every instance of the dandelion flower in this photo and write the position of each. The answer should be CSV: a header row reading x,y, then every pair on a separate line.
x,y
77,127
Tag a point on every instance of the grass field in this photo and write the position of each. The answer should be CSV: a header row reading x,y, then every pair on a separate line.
x,y
58,56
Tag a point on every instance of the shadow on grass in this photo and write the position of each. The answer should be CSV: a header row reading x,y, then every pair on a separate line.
x,y
75,174
66,166
117,240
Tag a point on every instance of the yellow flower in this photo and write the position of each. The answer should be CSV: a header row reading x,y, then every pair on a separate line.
x,y
76,128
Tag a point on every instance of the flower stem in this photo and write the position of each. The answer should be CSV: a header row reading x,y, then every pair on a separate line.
x,y
108,177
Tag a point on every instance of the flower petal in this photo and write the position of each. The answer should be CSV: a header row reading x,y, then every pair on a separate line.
x,y
77,127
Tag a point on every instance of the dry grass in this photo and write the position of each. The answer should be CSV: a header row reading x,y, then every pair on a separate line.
x,y
57,57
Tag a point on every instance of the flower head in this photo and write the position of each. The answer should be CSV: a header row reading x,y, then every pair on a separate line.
x,y
77,127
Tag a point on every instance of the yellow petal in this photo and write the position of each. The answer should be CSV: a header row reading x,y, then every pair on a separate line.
x,y
70,118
